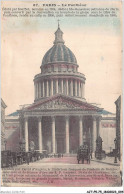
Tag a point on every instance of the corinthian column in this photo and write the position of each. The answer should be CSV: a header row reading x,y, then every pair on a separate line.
x,y
43,90
40,134
83,91
57,86
67,133
53,134
71,87
79,89
62,85
94,133
52,87
47,88
75,87
67,87
80,131
26,134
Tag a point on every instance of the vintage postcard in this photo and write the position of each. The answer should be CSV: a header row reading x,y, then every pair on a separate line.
x,y
61,94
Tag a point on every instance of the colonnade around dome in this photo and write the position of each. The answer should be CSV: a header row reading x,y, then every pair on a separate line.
x,y
67,86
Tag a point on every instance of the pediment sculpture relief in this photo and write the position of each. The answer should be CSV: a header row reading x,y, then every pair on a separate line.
x,y
57,104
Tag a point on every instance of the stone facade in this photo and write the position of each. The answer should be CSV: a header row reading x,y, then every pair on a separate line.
x,y
108,132
60,119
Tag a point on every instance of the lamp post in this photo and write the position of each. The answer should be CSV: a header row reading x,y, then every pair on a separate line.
x,y
115,142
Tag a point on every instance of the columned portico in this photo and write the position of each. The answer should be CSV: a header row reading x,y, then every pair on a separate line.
x,y
26,134
71,132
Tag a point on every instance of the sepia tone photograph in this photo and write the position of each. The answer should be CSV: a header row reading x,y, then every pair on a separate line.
x,y
61,94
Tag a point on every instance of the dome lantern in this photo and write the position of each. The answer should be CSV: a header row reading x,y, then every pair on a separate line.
x,y
58,36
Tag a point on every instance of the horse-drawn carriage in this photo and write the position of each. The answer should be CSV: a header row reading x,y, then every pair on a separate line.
x,y
83,154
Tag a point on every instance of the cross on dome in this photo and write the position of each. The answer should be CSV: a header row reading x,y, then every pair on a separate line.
x,y
58,23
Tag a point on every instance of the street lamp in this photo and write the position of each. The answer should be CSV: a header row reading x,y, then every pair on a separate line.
x,y
115,142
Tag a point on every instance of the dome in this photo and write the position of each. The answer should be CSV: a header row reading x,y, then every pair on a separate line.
x,y
59,52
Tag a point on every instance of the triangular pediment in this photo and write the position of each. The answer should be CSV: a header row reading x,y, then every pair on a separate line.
x,y
61,102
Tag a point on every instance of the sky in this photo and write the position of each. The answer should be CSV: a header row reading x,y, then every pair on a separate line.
x,y
96,43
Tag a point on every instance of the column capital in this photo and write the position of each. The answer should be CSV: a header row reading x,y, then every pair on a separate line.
x,y
53,118
39,118
26,118
100,118
81,117
94,118
66,117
